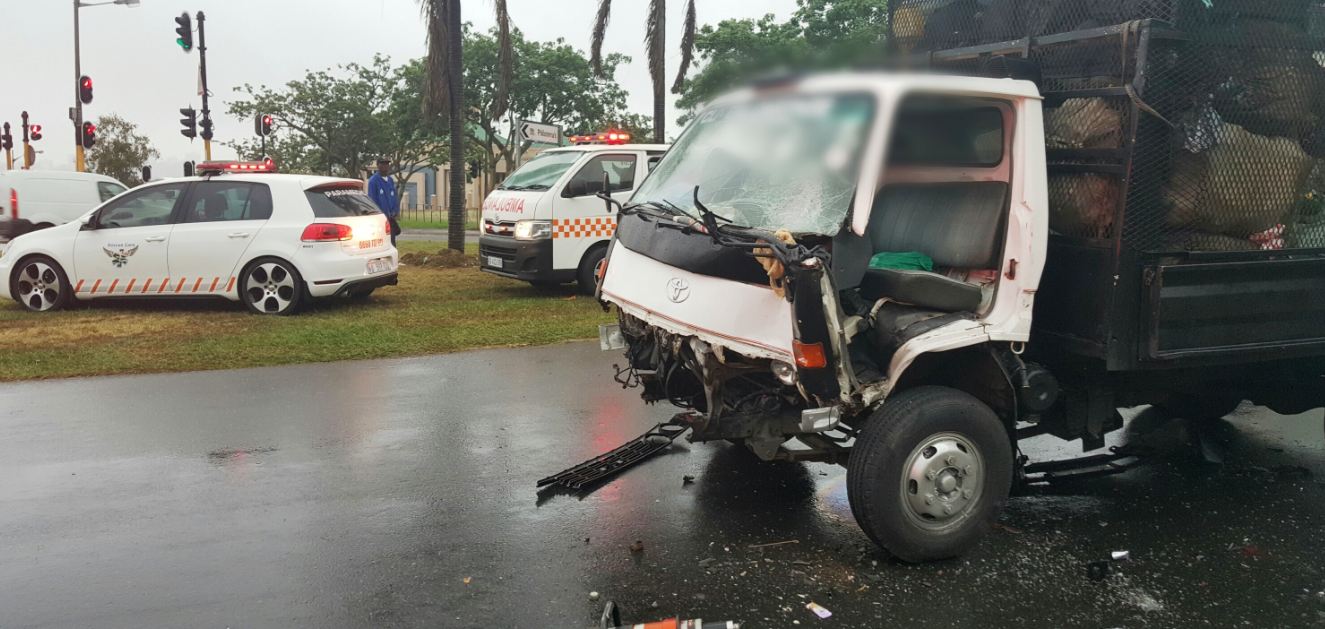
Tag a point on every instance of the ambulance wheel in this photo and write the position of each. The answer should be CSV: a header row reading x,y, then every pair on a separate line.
x,y
587,277
929,473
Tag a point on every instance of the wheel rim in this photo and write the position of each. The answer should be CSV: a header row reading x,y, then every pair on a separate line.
x,y
270,287
942,480
38,286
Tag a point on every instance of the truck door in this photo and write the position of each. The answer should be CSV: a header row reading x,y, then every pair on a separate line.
x,y
579,218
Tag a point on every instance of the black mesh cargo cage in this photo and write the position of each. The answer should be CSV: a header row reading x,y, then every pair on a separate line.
x,y
1177,132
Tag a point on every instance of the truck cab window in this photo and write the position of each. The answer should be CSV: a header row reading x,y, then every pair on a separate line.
x,y
939,132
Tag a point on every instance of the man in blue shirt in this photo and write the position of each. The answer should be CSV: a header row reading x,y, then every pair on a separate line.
x,y
382,190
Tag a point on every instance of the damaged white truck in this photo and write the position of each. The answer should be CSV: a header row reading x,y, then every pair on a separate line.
x,y
907,273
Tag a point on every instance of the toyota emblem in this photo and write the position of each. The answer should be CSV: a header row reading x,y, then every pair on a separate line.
x,y
678,290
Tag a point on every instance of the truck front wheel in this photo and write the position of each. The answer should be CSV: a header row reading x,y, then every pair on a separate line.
x,y
929,473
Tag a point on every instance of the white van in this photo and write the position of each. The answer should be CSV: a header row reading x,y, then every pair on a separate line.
x,y
37,199
545,225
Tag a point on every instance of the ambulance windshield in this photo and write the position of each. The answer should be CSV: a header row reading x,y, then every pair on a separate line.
x,y
541,172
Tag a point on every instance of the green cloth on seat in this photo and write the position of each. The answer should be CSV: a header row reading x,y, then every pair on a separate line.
x,y
902,261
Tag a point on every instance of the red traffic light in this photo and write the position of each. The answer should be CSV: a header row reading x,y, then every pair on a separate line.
x,y
85,89
89,135
34,132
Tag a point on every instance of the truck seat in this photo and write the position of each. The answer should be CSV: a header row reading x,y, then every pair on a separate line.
x,y
959,225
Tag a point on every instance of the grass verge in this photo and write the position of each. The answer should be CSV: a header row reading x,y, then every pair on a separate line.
x,y
431,311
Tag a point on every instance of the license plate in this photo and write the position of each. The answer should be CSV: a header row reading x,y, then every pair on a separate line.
x,y
380,265
494,262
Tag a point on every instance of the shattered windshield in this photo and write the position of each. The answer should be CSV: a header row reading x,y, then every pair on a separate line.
x,y
541,172
787,162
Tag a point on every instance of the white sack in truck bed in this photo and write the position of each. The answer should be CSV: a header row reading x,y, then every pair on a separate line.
x,y
1083,204
1244,184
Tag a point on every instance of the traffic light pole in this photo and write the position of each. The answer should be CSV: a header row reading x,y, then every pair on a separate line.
x,y
79,164
27,146
202,76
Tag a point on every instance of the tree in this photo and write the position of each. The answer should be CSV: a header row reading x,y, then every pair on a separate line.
x,y
338,121
552,82
655,44
445,90
120,151
821,34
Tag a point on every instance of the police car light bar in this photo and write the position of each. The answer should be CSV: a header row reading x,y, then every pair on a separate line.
x,y
606,137
216,168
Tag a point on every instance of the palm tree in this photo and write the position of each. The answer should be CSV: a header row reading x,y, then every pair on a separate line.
x,y
445,92
655,44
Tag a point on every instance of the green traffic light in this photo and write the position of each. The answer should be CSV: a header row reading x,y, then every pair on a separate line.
x,y
181,43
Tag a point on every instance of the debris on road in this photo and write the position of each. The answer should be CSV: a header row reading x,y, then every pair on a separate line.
x,y
637,546
771,544
467,580
818,610
687,480
1121,555
593,596
629,454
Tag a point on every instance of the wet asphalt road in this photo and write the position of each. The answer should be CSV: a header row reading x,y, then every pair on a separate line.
x,y
401,493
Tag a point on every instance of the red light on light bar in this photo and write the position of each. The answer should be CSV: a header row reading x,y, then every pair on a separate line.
x,y
267,166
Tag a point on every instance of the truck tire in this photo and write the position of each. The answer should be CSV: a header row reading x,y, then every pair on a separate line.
x,y
929,473
586,278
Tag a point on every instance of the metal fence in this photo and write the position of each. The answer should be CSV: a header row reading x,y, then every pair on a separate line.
x,y
430,214
1202,130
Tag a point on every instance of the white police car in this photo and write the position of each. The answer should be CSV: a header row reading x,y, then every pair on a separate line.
x,y
236,231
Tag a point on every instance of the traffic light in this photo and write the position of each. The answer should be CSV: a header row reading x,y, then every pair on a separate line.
x,y
473,169
206,124
262,124
85,89
190,122
6,139
34,132
89,135
185,31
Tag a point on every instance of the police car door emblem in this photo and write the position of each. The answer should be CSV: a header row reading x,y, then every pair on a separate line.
x,y
120,257
678,290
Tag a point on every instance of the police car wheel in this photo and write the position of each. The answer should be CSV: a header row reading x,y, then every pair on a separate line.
x,y
272,286
40,285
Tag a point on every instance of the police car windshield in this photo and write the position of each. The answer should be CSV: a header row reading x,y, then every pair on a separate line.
x,y
541,172
780,162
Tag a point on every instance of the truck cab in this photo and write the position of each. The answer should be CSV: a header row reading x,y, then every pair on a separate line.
x,y
545,225
846,268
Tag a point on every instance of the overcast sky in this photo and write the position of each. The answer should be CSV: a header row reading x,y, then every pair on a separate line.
x,y
142,75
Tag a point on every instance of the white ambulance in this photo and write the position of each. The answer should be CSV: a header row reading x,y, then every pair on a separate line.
x,y
545,225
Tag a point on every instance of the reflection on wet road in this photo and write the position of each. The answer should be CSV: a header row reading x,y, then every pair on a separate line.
x,y
402,493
